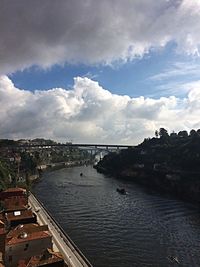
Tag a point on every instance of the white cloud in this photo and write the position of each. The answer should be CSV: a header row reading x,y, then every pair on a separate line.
x,y
89,113
178,70
177,79
91,31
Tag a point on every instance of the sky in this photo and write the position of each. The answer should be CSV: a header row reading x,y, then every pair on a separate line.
x,y
108,71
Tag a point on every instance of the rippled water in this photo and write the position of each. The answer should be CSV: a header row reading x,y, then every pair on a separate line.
x,y
141,228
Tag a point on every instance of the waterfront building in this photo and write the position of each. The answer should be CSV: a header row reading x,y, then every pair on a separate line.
x,y
1,260
47,259
23,242
17,217
26,245
2,242
13,192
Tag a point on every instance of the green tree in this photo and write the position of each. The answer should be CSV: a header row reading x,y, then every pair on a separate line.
x,y
193,133
156,133
163,132
173,134
4,176
183,134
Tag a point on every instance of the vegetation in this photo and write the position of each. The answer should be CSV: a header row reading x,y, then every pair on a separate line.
x,y
5,174
168,162
23,160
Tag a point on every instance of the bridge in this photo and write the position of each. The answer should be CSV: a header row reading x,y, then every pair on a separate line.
x,y
105,146
92,147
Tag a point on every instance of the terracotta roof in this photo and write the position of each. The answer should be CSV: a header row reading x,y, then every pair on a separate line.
x,y
22,263
24,237
15,189
2,231
1,260
9,208
28,228
46,258
19,215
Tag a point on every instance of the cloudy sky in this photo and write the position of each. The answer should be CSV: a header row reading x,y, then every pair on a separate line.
x,y
106,71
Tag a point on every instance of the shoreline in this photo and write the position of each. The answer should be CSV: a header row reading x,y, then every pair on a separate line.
x,y
162,182
55,166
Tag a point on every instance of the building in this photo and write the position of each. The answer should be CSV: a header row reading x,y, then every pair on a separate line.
x,y
17,217
25,245
1,260
12,192
15,203
14,199
23,242
2,220
28,228
47,259
2,242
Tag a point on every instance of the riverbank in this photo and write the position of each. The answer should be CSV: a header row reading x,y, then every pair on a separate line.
x,y
56,166
182,185
63,164
169,164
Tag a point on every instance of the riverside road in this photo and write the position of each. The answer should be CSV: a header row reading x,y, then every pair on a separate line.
x,y
72,256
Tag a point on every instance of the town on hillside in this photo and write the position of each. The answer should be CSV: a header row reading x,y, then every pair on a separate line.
x,y
23,161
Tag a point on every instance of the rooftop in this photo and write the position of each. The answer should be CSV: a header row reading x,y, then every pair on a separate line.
x,y
19,215
1,224
2,231
24,237
28,228
48,257
15,189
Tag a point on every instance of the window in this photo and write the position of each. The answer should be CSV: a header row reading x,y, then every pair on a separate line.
x,y
26,247
17,213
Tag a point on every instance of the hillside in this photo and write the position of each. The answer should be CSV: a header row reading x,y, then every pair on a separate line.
x,y
168,163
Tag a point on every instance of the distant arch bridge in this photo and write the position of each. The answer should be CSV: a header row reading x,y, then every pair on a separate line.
x,y
96,147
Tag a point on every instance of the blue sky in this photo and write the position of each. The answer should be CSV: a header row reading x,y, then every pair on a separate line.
x,y
133,78
141,76
114,77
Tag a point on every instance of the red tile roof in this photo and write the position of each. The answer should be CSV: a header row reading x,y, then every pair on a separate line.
x,y
48,257
15,189
28,228
1,224
2,231
22,263
24,237
19,215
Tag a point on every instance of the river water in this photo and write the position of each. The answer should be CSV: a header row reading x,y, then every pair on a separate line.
x,y
141,228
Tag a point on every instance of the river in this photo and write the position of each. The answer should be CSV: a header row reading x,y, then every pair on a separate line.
x,y
139,229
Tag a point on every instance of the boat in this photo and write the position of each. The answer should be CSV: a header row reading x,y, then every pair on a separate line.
x,y
121,191
173,259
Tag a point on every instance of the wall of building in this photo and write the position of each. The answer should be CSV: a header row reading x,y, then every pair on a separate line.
x,y
25,250
2,241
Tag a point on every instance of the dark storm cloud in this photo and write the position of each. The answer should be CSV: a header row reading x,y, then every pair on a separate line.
x,y
91,31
